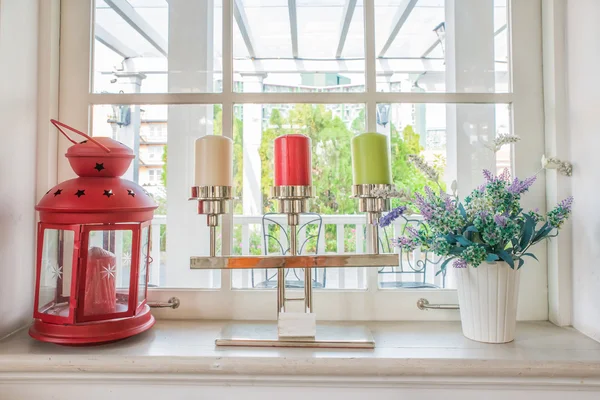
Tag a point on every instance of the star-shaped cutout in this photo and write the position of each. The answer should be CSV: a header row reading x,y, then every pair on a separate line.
x,y
58,191
80,193
99,167
109,271
108,193
130,192
55,270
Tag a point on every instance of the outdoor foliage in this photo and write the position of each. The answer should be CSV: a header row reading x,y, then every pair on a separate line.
x,y
332,167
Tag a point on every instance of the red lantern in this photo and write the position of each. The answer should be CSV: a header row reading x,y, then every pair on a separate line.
x,y
93,249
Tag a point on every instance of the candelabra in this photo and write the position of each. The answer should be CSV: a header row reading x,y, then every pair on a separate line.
x,y
373,199
293,201
212,202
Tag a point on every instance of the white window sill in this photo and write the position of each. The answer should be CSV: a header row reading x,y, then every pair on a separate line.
x,y
436,352
404,348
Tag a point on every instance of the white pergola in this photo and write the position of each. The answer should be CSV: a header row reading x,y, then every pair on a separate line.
x,y
175,46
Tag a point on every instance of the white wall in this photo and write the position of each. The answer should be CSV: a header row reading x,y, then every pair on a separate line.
x,y
18,116
583,80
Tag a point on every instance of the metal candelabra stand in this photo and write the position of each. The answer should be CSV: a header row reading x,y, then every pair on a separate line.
x,y
293,201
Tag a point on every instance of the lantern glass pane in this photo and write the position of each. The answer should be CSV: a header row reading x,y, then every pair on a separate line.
x,y
108,272
143,275
55,272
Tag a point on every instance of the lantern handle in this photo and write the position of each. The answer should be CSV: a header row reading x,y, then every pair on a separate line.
x,y
58,124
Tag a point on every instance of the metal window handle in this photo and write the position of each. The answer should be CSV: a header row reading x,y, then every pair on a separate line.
x,y
172,303
423,304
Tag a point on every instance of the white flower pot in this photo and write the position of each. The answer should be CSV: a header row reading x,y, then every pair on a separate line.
x,y
488,297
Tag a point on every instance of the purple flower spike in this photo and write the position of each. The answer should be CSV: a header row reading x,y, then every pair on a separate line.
x,y
518,186
460,263
500,220
488,176
412,231
425,208
567,203
402,241
505,175
390,217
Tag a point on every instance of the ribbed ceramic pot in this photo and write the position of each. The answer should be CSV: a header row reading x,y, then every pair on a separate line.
x,y
488,297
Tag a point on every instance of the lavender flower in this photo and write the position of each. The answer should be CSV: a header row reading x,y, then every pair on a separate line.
x,y
489,177
450,206
427,170
390,217
500,220
425,208
412,231
560,214
460,263
505,175
518,186
404,243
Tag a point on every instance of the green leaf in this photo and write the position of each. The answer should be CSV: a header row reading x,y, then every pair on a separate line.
x,y
544,230
492,257
507,257
450,238
471,229
456,250
521,262
528,230
463,241
461,208
443,266
532,256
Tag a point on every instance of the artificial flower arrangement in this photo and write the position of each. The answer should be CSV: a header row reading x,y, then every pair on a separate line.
x,y
489,225
489,231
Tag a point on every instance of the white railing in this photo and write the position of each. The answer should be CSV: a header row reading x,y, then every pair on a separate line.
x,y
349,237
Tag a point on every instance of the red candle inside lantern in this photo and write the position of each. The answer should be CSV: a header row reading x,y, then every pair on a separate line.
x,y
100,284
293,161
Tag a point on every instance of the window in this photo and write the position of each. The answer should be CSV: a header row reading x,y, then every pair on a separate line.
x,y
439,77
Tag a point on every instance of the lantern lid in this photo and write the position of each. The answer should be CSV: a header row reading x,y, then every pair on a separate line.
x,y
86,200
96,157
110,148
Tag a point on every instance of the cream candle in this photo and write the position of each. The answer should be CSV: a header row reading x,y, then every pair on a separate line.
x,y
214,161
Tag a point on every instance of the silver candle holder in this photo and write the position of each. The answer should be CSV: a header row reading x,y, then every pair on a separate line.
x,y
373,200
293,201
212,202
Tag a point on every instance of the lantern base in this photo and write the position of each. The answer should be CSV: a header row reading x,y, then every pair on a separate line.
x,y
93,332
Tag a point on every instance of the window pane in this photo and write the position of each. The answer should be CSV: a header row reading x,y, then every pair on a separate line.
x,y
143,275
455,139
175,127
55,272
108,272
157,46
442,46
331,128
324,53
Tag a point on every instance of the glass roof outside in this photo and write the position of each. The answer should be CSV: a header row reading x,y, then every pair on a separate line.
x,y
319,24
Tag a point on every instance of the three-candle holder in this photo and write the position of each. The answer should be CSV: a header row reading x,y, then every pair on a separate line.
x,y
298,329
373,199
212,202
293,201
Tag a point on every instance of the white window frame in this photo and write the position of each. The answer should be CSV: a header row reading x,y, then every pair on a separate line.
x,y
75,101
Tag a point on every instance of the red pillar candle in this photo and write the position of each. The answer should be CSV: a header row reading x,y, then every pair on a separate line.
x,y
293,166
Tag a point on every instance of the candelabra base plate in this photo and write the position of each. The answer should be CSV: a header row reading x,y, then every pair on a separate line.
x,y
328,336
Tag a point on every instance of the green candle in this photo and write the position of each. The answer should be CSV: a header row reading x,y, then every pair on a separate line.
x,y
370,159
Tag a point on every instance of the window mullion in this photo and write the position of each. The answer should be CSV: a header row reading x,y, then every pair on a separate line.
x,y
227,124
370,66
